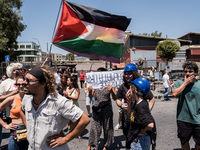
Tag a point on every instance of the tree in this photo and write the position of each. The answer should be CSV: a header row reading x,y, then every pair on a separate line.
x,y
10,28
152,34
167,49
70,56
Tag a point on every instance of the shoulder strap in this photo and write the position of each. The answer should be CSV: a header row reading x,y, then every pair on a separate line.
x,y
72,92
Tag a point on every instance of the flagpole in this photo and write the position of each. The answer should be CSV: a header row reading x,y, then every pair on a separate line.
x,y
49,53
56,20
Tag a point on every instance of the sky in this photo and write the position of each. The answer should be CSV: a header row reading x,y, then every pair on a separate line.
x,y
173,18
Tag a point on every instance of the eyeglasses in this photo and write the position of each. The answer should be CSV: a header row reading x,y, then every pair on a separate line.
x,y
30,80
19,69
188,71
128,73
23,84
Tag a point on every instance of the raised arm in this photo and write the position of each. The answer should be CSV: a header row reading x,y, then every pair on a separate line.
x,y
112,91
176,92
151,103
3,97
7,102
47,60
91,92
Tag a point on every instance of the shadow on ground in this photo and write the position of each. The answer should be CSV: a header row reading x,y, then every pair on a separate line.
x,y
117,145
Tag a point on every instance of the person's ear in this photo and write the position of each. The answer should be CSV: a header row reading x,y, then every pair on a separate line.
x,y
43,84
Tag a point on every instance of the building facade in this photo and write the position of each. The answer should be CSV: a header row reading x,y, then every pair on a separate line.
x,y
29,51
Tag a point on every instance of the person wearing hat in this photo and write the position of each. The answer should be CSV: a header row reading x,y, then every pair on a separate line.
x,y
141,120
47,112
140,66
130,74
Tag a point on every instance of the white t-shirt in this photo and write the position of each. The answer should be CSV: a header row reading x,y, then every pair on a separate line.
x,y
57,78
165,81
7,85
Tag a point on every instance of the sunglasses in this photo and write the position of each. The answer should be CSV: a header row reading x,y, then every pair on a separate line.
x,y
30,80
19,69
128,73
23,84
188,71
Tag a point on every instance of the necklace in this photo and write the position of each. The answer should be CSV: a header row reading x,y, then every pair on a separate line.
x,y
37,103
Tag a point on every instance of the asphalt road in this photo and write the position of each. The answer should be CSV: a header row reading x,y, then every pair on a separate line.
x,y
164,114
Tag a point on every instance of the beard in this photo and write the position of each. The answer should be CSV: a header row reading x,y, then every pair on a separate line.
x,y
27,91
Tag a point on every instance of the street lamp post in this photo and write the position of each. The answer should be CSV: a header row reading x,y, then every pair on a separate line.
x,y
38,42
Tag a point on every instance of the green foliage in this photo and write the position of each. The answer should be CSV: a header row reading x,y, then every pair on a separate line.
x,y
152,34
167,49
10,27
70,56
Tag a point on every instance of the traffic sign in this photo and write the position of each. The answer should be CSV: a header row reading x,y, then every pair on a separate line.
x,y
7,59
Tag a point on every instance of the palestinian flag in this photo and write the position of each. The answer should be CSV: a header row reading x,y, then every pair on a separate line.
x,y
89,32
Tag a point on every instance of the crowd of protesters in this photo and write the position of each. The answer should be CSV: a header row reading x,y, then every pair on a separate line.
x,y
42,102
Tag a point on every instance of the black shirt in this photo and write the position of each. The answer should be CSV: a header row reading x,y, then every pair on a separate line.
x,y
140,117
75,74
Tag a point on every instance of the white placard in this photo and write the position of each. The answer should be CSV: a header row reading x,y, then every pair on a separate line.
x,y
101,79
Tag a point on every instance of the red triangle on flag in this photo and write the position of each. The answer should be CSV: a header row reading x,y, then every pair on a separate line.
x,y
69,26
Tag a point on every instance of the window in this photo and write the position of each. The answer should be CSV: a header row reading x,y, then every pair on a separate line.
x,y
28,46
28,52
22,52
22,46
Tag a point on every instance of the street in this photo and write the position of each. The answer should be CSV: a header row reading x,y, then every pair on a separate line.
x,y
164,113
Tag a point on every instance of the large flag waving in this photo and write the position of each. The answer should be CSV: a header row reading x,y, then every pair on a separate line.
x,y
89,32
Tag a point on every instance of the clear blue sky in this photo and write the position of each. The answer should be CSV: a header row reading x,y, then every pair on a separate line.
x,y
173,18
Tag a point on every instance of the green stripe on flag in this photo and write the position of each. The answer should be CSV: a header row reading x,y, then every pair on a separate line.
x,y
96,47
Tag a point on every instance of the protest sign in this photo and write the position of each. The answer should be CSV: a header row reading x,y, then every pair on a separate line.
x,y
101,79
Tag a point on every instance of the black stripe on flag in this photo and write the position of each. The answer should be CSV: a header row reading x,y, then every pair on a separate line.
x,y
99,17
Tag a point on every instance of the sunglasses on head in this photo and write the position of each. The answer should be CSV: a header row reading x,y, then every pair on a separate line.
x,y
23,84
188,71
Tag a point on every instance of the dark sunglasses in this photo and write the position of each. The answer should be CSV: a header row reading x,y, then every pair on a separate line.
x,y
127,73
30,80
19,69
188,71
23,84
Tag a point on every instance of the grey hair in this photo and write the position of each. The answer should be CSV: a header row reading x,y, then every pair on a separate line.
x,y
11,67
